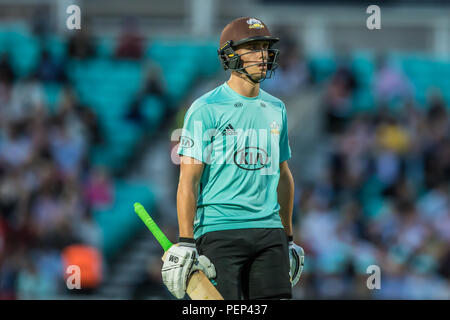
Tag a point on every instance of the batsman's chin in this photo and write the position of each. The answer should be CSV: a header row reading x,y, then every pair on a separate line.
x,y
261,74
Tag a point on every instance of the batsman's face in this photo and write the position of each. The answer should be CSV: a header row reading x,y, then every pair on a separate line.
x,y
254,56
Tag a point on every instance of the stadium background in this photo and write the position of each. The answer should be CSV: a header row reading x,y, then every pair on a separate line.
x,y
86,123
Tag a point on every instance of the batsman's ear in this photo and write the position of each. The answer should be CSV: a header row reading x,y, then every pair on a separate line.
x,y
228,57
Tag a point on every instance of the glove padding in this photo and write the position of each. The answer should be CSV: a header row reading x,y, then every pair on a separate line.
x,y
181,261
297,259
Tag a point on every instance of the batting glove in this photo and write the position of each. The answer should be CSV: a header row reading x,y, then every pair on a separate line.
x,y
181,261
296,258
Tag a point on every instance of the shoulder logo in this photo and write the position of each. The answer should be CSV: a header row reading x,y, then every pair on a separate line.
x,y
238,105
186,142
263,104
274,128
229,130
254,24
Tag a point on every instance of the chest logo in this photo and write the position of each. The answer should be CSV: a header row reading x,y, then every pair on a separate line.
x,y
229,130
274,128
251,158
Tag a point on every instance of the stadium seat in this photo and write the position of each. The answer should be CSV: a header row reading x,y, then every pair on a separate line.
x,y
152,110
322,67
119,223
108,86
363,101
105,47
56,46
53,94
4,36
25,50
363,67
179,60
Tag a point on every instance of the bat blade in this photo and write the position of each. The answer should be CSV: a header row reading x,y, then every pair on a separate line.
x,y
200,288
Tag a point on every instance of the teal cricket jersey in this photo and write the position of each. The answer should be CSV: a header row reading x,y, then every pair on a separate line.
x,y
241,141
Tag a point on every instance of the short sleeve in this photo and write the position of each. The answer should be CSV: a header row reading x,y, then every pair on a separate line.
x,y
285,149
195,141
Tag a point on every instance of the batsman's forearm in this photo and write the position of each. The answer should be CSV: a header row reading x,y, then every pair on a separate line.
x,y
286,200
186,208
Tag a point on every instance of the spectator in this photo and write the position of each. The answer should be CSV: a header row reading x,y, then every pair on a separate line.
x,y
6,71
338,99
27,99
32,284
98,189
16,149
292,74
81,45
391,85
67,147
152,90
88,231
130,44
49,70
7,79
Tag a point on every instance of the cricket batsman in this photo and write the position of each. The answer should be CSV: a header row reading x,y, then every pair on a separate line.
x,y
235,192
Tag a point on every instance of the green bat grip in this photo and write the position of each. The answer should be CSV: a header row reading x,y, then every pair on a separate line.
x,y
152,226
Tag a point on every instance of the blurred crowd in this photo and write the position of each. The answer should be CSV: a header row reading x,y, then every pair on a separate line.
x,y
384,195
292,73
48,186
383,198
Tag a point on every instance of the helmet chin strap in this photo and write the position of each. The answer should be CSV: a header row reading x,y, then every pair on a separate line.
x,y
245,73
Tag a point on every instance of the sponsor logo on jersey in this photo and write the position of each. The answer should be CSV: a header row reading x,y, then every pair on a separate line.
x,y
251,158
186,142
229,130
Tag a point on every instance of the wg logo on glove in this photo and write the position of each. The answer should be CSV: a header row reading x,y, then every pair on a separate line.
x,y
173,259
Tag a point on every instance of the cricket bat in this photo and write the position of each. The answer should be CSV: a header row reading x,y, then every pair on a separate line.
x,y
198,287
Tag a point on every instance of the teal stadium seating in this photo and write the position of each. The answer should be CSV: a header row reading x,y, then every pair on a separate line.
x,y
182,62
24,49
119,223
53,93
362,64
322,66
57,46
425,73
108,87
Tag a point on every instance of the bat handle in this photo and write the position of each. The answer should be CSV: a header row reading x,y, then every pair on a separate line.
x,y
152,226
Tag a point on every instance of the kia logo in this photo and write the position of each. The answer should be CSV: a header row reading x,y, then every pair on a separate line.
x,y
251,158
186,142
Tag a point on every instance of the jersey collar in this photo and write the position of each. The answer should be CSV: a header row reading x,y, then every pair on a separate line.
x,y
234,93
